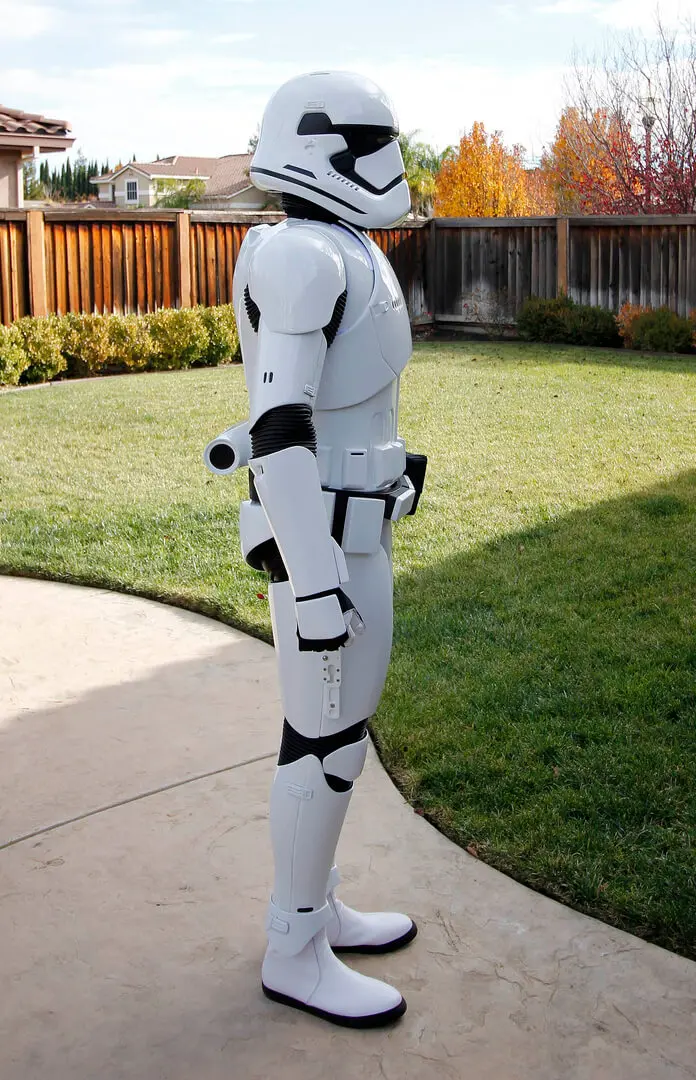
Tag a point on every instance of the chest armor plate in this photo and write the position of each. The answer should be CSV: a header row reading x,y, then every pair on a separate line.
x,y
373,344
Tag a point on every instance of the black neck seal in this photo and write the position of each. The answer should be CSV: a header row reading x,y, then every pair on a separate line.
x,y
296,207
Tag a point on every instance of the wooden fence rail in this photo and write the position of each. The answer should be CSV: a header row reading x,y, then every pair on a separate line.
x,y
452,270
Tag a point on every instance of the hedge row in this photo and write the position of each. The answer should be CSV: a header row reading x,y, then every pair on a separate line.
x,y
563,321
39,349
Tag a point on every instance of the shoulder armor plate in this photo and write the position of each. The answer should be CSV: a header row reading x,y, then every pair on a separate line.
x,y
295,279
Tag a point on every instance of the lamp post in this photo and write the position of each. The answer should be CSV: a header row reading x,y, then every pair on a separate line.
x,y
648,121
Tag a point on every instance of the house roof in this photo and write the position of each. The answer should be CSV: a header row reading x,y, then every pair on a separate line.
x,y
224,176
17,122
230,176
24,129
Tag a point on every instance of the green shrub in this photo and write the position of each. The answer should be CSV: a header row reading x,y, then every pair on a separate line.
x,y
42,342
662,330
130,343
544,320
563,321
86,344
38,349
179,338
589,325
13,359
223,339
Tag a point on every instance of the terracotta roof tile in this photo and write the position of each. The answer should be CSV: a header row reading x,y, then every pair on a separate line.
x,y
177,165
16,122
230,176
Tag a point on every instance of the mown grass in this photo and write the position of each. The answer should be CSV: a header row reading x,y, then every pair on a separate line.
x,y
541,704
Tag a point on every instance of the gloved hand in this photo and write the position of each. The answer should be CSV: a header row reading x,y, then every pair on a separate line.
x,y
326,621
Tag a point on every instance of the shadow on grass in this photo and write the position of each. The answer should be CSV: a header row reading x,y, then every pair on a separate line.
x,y
530,352
541,707
541,704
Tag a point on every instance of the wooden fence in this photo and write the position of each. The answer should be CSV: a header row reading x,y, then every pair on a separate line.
x,y
485,268
452,270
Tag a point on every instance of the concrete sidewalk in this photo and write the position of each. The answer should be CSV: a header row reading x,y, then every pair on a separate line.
x,y
137,745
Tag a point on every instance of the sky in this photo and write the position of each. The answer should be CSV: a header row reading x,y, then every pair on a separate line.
x,y
149,77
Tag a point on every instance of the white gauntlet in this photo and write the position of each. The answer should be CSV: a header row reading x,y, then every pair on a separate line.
x,y
326,621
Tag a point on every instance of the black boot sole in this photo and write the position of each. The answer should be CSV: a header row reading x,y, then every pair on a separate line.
x,y
374,1021
389,946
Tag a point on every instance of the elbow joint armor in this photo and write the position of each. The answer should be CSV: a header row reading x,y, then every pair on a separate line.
x,y
282,427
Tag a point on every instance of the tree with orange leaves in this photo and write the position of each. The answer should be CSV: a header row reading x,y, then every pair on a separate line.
x,y
482,178
541,197
591,166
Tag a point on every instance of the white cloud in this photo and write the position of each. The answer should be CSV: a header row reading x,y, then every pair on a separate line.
x,y
210,103
442,97
624,14
231,39
156,37
569,7
21,21
196,105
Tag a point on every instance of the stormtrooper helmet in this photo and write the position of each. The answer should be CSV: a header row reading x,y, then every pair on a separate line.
x,y
330,138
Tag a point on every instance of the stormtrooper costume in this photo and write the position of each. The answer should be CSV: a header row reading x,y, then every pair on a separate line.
x,y
324,335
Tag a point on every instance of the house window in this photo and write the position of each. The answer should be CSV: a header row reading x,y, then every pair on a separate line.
x,y
131,190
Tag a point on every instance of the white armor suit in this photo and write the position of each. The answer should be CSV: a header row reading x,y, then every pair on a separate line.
x,y
324,335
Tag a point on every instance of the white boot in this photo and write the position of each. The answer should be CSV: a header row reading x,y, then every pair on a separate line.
x,y
316,981
365,932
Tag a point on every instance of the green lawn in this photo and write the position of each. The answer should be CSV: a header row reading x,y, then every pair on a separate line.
x,y
541,705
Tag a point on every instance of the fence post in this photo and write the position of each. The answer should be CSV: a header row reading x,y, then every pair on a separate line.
x,y
37,262
431,270
562,252
183,257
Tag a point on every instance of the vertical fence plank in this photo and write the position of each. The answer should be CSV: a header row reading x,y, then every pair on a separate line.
x,y
36,246
183,246
62,305
201,265
157,263
211,265
130,292
5,277
149,275
117,267
50,251
193,261
139,245
672,265
105,231
166,265
16,273
97,269
84,259
230,256
73,262
223,271
562,254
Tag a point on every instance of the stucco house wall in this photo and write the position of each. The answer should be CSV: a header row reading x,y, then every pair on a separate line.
x,y
11,179
117,192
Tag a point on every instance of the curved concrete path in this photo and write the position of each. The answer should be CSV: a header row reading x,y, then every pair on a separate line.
x,y
131,934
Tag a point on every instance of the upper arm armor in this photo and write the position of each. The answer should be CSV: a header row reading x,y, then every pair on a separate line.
x,y
295,281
